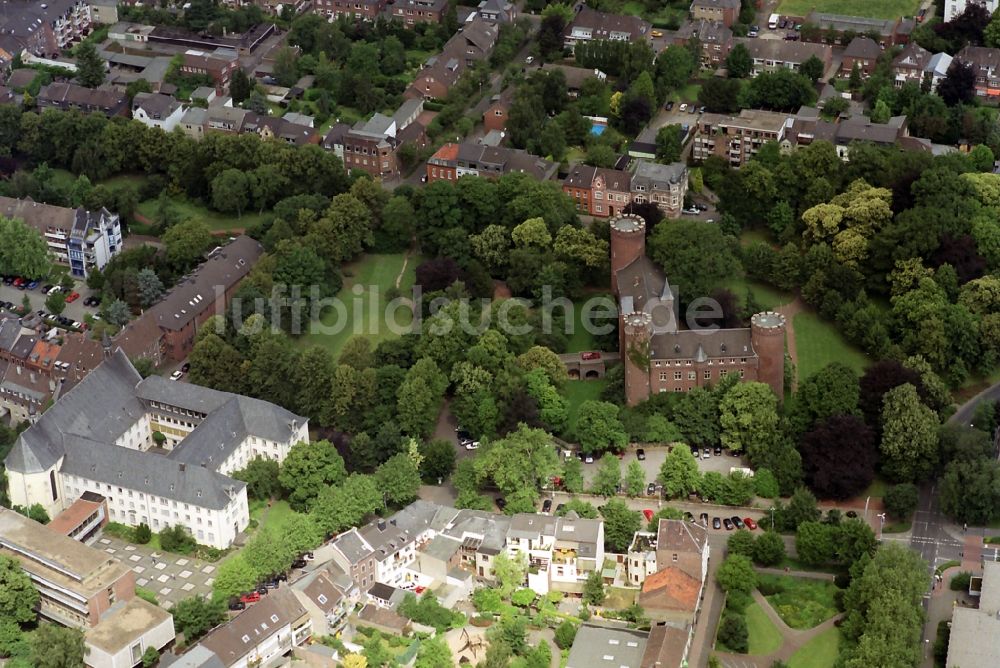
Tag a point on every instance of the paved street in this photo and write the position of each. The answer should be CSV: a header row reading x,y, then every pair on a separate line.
x,y
171,577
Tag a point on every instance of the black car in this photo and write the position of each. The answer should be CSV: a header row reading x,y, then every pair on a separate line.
x,y
726,522
737,521
501,503
560,507
718,451
185,367
299,563
281,577
651,489
704,519
262,590
237,604
640,454
783,24
546,505
716,523
670,106
696,452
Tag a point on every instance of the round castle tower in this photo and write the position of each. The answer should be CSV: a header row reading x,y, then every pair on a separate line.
x,y
637,329
628,241
767,335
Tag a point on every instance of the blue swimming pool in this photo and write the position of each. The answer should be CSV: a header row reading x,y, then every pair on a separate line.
x,y
597,129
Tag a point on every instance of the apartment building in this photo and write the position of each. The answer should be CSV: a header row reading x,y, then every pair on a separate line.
x,y
366,10
663,185
590,24
261,634
807,126
842,28
737,138
65,96
715,38
598,191
83,240
411,12
453,161
99,438
726,12
561,551
372,145
985,63
218,65
673,590
46,28
955,8
473,42
328,596
773,54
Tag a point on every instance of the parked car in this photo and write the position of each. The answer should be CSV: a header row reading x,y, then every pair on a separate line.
x,y
752,33
792,37
750,524
688,517
670,106
692,211
704,519
716,523
237,604
252,597
32,285
73,296
656,33
783,24
718,451
701,207
466,440
176,375
640,454
737,521
48,289
695,451
7,280
648,514
529,60
18,282
546,505
683,106
560,507
299,563
706,453
726,522
91,301
651,489
185,367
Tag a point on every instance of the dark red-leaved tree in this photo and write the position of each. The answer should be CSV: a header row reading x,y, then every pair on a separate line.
x,y
838,457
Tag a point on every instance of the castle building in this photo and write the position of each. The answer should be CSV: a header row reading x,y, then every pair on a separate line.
x,y
660,356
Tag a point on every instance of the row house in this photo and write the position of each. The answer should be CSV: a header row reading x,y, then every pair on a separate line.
x,y
917,65
365,10
592,25
737,138
726,12
671,567
862,52
261,634
561,551
65,96
598,191
985,63
453,161
769,55
715,38
328,595
80,239
411,12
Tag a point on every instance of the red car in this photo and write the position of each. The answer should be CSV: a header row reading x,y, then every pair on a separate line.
x,y
592,355
18,282
750,523
252,597
73,296
648,514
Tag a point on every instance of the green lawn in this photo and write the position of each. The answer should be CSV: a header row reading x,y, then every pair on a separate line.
x,y
802,603
218,222
883,9
877,489
818,343
275,516
619,598
377,273
578,391
820,652
766,296
581,339
764,635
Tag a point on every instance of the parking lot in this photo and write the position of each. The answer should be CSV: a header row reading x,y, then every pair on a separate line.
x,y
654,460
74,311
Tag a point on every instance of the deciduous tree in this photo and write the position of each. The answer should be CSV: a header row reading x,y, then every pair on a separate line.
x,y
909,437
18,596
308,468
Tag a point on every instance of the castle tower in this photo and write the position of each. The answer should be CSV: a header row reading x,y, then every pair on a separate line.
x,y
628,241
767,335
637,329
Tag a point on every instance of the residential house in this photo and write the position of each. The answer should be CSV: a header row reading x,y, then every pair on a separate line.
x,y
663,185
473,42
453,161
985,63
954,8
281,129
328,595
863,52
86,588
439,557
575,76
598,191
218,65
673,593
334,139
497,11
411,12
807,127
103,12
561,551
65,96
222,118
975,631
914,64
372,146
667,646
715,38
193,122
725,11
156,110
481,537
607,646
366,10
737,138
166,330
266,630
83,240
495,116
98,437
773,54
590,24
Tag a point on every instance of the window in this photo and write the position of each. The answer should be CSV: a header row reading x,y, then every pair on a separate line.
x,y
663,375
677,375
692,375
708,374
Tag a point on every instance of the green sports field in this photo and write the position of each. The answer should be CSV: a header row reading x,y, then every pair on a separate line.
x,y
879,9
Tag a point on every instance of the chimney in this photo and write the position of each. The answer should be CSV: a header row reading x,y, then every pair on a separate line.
x,y
381,525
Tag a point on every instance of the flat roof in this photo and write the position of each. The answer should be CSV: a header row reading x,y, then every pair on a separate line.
x,y
122,626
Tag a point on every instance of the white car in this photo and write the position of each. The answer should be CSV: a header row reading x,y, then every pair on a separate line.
x,y
176,375
684,107
529,60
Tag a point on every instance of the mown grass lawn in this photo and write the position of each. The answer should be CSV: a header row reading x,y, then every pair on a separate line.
x,y
274,517
802,603
820,652
580,339
764,635
364,315
578,391
883,9
766,296
217,222
818,343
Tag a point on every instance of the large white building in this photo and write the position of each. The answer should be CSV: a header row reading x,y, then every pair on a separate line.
x,y
953,8
83,240
99,437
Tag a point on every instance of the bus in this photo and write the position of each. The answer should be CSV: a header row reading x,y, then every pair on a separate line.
x,y
772,22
